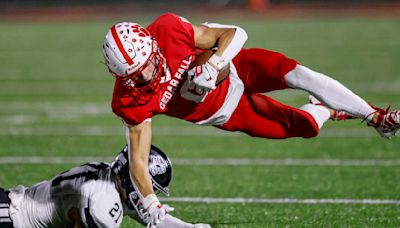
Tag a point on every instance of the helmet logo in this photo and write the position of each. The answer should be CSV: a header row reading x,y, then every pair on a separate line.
x,y
157,165
140,31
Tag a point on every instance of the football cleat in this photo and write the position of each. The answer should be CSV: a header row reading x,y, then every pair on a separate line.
x,y
337,115
388,122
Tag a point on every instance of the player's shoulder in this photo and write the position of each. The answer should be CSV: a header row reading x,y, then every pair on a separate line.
x,y
131,113
170,22
169,18
102,208
97,179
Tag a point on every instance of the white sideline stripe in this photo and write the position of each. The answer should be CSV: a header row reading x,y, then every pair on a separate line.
x,y
206,161
50,160
164,131
284,162
278,200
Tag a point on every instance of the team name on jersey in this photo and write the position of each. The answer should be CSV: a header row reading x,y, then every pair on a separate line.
x,y
174,83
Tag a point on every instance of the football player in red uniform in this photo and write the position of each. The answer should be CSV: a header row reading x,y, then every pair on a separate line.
x,y
156,73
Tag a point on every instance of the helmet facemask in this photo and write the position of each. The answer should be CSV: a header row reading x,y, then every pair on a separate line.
x,y
142,91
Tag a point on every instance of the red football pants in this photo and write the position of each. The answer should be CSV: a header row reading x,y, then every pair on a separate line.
x,y
258,115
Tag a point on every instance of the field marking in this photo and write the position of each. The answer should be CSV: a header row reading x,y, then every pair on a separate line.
x,y
284,162
279,200
51,160
190,130
359,87
208,161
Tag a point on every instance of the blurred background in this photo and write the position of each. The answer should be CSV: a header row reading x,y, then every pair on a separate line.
x,y
212,3
55,113
65,8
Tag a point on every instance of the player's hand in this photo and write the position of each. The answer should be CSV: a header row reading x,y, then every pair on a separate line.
x,y
204,76
156,212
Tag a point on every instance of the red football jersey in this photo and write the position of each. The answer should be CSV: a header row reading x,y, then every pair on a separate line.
x,y
177,98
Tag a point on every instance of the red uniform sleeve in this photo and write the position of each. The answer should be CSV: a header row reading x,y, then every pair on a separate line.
x,y
132,115
175,37
123,106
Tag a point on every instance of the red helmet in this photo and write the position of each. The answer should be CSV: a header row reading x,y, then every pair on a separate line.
x,y
128,49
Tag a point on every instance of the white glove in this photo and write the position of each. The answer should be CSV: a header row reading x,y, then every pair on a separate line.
x,y
204,76
155,211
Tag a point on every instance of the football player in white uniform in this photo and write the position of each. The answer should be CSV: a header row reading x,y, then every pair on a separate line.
x,y
92,195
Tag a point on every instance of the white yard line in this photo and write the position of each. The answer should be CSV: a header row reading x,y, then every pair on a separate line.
x,y
50,160
40,107
162,131
284,162
207,161
279,200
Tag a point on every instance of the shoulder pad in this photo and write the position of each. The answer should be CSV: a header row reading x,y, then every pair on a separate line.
x,y
104,209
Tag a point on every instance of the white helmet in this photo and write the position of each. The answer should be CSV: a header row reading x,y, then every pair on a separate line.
x,y
127,48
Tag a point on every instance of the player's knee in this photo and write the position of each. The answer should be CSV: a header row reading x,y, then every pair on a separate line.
x,y
309,120
311,132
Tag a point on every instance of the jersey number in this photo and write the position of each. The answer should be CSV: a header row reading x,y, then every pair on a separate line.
x,y
115,212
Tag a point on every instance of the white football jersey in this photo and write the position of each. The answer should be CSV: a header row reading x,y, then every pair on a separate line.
x,y
88,188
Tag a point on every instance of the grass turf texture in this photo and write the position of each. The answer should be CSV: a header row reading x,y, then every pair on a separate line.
x,y
53,87
270,182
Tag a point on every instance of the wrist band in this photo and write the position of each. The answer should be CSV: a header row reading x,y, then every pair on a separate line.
x,y
218,62
149,200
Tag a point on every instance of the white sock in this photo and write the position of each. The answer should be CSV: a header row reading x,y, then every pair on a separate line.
x,y
318,112
329,91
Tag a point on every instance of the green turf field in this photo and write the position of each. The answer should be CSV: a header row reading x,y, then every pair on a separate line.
x,y
55,102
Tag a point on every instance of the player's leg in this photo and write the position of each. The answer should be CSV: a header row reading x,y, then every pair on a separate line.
x,y
329,91
262,70
288,115
261,116
336,96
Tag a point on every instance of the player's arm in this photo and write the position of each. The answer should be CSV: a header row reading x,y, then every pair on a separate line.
x,y
228,40
139,148
208,38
